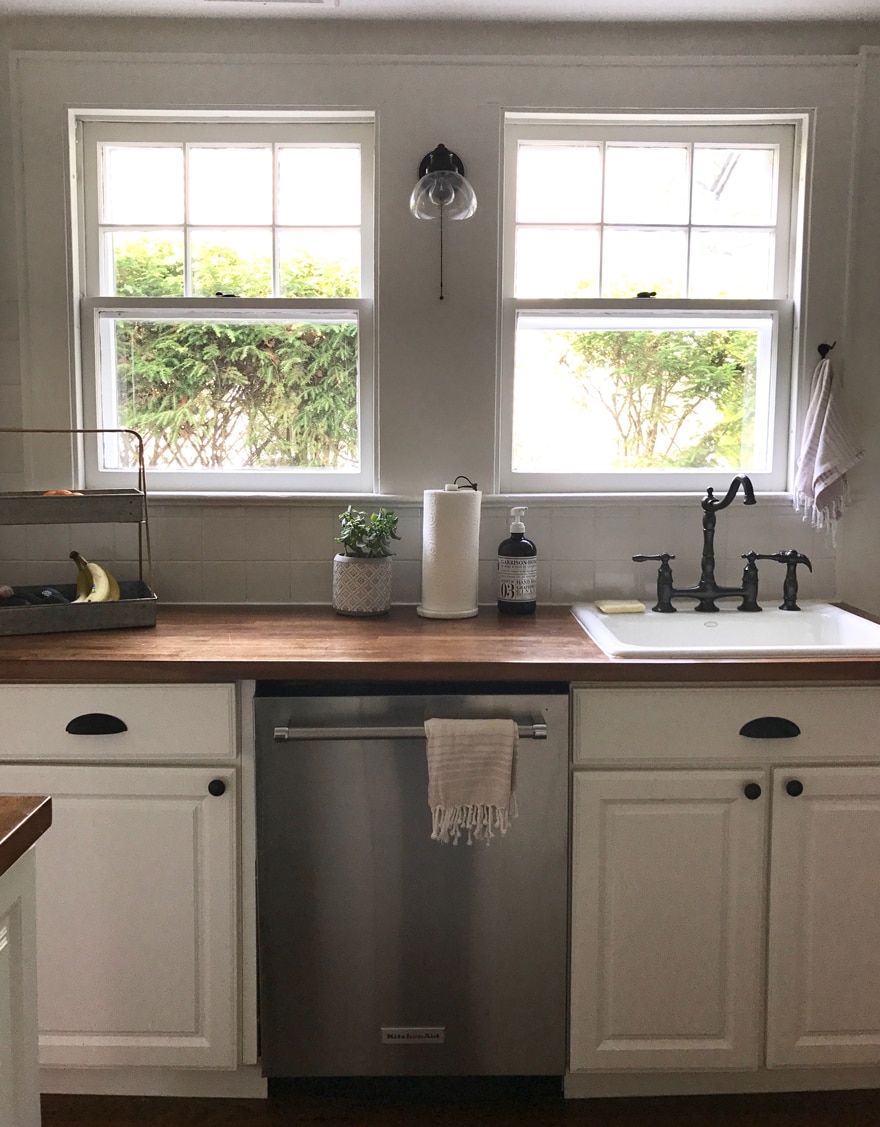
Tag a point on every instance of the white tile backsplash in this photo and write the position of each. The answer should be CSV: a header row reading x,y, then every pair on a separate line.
x,y
176,538
223,534
268,581
573,534
53,542
267,536
312,582
224,582
276,552
179,582
311,535
571,581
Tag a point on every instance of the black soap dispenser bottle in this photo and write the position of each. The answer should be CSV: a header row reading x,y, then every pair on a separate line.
x,y
517,569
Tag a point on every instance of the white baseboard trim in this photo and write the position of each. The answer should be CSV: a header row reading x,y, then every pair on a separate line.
x,y
599,1085
246,1082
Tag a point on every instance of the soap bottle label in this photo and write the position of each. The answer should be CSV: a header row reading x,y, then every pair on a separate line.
x,y
517,579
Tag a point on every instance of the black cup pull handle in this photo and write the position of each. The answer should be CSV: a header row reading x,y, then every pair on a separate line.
x,y
770,728
216,787
752,791
96,724
794,787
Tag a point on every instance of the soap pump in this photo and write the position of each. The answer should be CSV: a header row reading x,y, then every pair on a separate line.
x,y
517,569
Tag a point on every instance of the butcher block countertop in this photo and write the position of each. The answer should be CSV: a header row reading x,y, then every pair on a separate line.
x,y
23,818
216,644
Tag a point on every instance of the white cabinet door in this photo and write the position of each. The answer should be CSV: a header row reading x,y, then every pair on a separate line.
x,y
667,903
136,915
19,1074
824,955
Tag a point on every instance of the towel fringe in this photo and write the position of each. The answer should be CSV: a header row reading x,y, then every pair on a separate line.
x,y
824,518
479,820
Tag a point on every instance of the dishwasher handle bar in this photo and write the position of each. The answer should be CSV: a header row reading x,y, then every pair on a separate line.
x,y
535,731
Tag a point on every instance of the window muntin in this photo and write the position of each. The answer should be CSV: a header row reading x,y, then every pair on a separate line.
x,y
229,273
698,215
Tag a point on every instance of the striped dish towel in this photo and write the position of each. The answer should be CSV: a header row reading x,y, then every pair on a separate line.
x,y
471,777
821,491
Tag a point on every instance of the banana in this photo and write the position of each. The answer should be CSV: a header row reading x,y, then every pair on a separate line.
x,y
94,583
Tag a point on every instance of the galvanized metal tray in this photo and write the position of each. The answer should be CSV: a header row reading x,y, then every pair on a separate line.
x,y
137,606
107,506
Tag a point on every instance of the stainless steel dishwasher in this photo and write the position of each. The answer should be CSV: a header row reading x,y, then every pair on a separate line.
x,y
382,952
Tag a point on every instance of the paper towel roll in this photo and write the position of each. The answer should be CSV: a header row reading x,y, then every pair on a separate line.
x,y
450,553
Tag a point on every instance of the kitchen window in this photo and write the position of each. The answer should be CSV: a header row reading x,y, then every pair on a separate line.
x,y
649,283
227,314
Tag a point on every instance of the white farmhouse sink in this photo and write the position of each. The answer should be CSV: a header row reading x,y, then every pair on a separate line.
x,y
817,630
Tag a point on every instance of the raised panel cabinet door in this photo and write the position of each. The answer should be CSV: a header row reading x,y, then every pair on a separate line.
x,y
667,904
136,915
824,923
19,1074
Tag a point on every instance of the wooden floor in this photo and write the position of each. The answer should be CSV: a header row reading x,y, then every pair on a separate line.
x,y
413,1104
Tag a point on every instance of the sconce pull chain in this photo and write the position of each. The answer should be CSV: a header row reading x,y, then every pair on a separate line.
x,y
441,253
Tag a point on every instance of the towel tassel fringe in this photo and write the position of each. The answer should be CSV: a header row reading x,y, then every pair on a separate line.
x,y
479,820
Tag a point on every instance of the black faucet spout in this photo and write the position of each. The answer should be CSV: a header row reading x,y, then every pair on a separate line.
x,y
711,505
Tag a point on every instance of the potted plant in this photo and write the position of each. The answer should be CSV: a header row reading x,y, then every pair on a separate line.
x,y
362,569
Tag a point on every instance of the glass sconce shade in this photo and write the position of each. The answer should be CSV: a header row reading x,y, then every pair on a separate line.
x,y
442,191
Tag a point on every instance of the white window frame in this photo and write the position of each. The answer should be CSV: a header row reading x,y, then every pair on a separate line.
x,y
96,127
788,130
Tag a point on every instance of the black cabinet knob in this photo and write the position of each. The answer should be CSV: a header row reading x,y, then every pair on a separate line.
x,y
752,791
216,787
794,787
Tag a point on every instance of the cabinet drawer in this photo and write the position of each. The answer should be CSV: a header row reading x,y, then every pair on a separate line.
x,y
135,722
703,724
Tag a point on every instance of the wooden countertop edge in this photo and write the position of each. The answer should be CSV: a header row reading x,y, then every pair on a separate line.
x,y
23,819
203,644
849,671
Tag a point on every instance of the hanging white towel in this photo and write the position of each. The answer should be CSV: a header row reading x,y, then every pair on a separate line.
x,y
471,777
821,490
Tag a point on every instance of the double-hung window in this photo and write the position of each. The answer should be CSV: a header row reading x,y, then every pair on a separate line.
x,y
226,272
649,277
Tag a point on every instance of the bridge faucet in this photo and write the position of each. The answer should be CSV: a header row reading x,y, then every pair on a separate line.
x,y
708,590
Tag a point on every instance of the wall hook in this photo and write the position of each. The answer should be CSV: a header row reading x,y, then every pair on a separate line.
x,y
824,349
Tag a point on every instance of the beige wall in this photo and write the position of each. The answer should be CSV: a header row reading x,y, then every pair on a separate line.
x,y
279,551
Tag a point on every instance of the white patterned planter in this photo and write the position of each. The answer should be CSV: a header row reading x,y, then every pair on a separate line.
x,y
361,586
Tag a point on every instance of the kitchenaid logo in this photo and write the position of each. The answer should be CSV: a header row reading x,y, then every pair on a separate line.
x,y
413,1034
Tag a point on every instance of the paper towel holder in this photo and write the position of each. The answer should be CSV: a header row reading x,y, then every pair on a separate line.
x,y
470,484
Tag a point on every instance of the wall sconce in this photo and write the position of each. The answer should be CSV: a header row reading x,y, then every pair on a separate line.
x,y
442,193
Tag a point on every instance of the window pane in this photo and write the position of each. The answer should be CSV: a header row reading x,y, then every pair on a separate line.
x,y
625,398
734,185
553,262
234,394
558,184
143,263
231,262
319,186
320,263
230,184
637,260
734,264
646,184
142,184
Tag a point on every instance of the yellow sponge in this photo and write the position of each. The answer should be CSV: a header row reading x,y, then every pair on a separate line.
x,y
620,606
